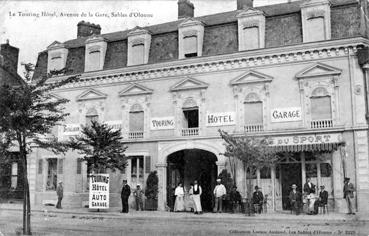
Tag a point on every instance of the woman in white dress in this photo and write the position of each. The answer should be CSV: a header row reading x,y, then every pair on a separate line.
x,y
179,203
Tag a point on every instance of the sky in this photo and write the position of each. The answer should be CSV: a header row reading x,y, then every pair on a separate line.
x,y
33,25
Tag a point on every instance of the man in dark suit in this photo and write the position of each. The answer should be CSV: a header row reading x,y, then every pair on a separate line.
x,y
257,199
309,187
295,198
348,194
322,201
126,191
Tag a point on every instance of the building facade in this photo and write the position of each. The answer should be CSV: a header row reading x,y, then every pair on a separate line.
x,y
289,72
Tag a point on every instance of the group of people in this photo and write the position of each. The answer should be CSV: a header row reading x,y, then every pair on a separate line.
x,y
313,202
138,194
219,195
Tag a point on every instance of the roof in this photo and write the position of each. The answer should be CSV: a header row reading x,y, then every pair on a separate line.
x,y
208,20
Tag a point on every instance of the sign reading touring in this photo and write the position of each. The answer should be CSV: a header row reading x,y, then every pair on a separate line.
x,y
71,129
286,114
162,123
220,119
99,191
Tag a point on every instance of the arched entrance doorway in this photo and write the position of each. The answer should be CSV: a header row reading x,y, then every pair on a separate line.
x,y
188,165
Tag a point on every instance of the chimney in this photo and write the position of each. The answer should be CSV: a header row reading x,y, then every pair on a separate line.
x,y
185,9
9,56
243,4
85,29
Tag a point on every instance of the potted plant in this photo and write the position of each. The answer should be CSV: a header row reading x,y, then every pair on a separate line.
x,y
151,191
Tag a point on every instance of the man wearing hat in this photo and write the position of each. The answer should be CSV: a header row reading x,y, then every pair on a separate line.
x,y
348,194
59,192
322,201
139,198
126,191
219,192
257,199
295,198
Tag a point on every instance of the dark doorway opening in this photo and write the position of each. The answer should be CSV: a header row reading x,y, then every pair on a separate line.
x,y
188,165
191,117
291,174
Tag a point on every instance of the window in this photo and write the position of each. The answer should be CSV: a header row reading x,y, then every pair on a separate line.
x,y
253,113
321,108
79,166
138,51
311,170
137,169
190,46
251,37
315,29
40,166
51,174
14,178
191,118
136,119
325,170
265,173
56,62
94,60
147,164
91,116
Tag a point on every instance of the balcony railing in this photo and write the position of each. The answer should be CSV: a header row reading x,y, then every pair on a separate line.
x,y
190,131
135,135
254,128
320,124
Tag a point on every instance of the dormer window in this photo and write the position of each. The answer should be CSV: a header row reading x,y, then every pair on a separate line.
x,y
57,56
95,53
139,41
316,24
251,29
191,34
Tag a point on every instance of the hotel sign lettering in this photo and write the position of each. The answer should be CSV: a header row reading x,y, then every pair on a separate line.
x,y
286,114
99,191
220,119
162,123
305,139
71,129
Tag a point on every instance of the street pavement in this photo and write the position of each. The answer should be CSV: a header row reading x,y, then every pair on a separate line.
x,y
50,221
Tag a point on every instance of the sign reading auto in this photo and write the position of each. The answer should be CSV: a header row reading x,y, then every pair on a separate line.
x,y
286,114
220,119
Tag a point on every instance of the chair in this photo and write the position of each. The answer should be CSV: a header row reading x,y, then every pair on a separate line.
x,y
323,209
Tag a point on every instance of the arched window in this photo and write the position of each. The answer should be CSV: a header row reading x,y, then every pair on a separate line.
x,y
91,115
136,118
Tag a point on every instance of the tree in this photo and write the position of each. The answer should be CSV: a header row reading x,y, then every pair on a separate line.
x,y
28,113
102,147
253,152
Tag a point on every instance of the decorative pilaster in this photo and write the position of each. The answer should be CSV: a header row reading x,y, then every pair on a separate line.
x,y
162,195
339,203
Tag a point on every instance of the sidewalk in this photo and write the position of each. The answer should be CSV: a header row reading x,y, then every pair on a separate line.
x,y
114,212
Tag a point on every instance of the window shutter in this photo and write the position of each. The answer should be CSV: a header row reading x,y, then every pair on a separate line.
x,y
190,44
94,60
136,121
40,166
315,29
253,113
138,54
79,166
60,166
251,37
321,108
147,164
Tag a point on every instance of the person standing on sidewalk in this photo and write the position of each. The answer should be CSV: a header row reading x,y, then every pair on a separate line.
x,y
126,191
219,192
196,192
348,194
139,198
59,192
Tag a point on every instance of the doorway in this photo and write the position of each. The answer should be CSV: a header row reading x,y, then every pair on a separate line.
x,y
188,165
290,174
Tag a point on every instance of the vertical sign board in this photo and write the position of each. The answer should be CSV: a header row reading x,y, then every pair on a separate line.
x,y
99,191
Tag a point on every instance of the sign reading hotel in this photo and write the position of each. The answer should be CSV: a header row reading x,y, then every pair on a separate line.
x,y
305,139
162,123
286,114
99,191
71,129
220,119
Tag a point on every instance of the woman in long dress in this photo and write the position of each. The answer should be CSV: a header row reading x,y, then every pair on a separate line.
x,y
179,203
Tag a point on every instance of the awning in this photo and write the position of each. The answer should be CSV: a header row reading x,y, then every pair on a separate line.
x,y
306,147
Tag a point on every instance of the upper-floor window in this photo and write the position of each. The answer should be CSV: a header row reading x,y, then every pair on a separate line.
x,y
138,51
315,28
139,41
190,118
57,56
136,122
55,61
321,109
91,116
252,40
251,29
190,46
95,53
253,117
94,60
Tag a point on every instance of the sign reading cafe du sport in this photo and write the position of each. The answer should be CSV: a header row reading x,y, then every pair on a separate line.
x,y
99,191
286,114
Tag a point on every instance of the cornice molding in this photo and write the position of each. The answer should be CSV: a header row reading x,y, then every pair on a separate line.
x,y
239,60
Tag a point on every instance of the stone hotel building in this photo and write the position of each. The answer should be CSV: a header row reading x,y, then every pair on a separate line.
x,y
293,72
